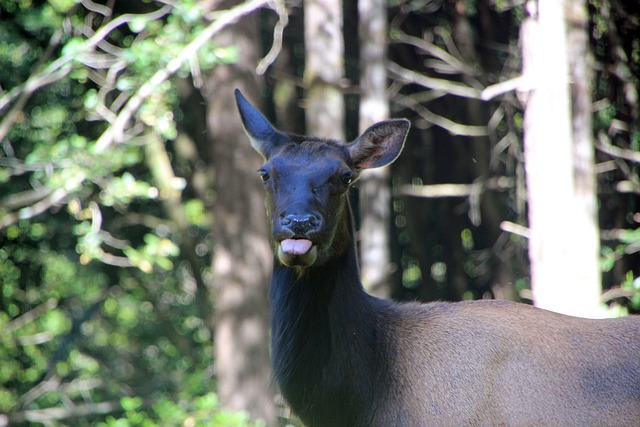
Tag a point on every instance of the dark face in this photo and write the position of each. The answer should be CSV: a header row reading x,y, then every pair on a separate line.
x,y
306,189
306,180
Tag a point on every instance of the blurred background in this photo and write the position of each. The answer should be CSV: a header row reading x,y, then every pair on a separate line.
x,y
134,259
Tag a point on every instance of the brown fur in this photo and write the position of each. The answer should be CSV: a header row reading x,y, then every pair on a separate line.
x,y
343,358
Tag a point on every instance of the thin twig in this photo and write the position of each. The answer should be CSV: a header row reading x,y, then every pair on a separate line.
x,y
448,125
455,190
278,30
615,293
30,316
520,84
48,415
517,229
62,66
606,147
97,8
435,51
446,86
53,199
24,198
115,132
56,197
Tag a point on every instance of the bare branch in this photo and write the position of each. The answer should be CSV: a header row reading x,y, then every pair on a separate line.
x,y
15,92
442,85
24,198
517,229
606,147
25,95
628,187
56,197
615,293
283,20
97,8
456,64
449,125
115,132
455,190
35,339
49,383
30,316
116,261
520,84
58,68
48,415
61,67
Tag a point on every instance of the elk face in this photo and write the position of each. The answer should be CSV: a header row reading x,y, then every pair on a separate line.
x,y
306,185
306,180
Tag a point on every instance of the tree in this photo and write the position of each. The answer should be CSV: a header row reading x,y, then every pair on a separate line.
x,y
116,139
375,185
324,68
563,232
102,216
467,156
242,256
587,247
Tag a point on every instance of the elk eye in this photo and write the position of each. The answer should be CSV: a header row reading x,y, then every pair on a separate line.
x,y
264,175
347,178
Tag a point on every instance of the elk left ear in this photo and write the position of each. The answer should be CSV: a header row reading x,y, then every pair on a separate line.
x,y
263,136
379,145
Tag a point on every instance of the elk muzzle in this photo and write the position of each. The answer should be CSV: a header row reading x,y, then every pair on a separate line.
x,y
298,250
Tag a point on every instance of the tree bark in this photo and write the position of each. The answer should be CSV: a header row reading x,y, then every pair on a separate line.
x,y
375,190
555,220
242,257
587,247
324,68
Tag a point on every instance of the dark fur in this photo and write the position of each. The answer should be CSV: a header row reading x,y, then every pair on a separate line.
x,y
344,358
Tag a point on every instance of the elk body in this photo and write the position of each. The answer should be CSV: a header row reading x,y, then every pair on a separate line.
x,y
344,358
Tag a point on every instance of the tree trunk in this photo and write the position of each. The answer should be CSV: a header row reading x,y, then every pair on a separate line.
x,y
555,220
587,245
324,68
242,256
375,190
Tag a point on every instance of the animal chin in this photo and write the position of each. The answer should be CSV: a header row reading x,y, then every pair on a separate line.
x,y
297,252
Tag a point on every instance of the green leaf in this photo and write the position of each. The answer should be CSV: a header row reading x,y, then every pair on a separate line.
x,y
130,403
73,47
63,6
138,24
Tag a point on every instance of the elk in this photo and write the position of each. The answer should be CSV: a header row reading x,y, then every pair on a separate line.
x,y
342,357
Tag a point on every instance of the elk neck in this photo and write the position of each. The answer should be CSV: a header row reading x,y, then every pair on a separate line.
x,y
325,328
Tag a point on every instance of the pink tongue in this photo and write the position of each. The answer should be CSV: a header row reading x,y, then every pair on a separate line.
x,y
295,246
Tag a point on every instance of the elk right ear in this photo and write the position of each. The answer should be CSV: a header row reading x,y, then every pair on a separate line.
x,y
263,136
379,145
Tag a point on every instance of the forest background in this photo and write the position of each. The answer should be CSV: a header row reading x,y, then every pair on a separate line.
x,y
133,255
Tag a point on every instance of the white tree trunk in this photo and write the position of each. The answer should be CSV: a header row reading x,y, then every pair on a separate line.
x,y
560,245
375,191
587,245
324,68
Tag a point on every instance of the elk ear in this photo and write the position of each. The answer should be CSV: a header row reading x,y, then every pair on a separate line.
x,y
263,136
379,145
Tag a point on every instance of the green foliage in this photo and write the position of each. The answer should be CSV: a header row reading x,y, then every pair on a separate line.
x,y
199,411
101,298
632,286
628,243
98,303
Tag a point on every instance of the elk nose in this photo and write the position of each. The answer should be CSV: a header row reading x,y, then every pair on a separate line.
x,y
300,224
